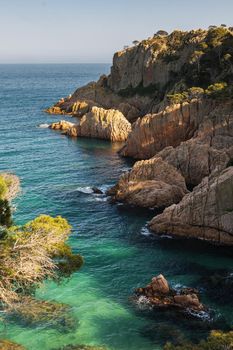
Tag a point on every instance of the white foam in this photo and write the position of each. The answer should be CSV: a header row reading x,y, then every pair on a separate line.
x,y
43,126
86,190
145,231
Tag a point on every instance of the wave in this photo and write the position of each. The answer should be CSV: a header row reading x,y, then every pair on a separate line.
x,y
85,189
145,231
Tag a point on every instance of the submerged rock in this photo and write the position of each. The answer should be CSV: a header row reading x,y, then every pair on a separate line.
x,y
31,312
159,294
9,345
82,347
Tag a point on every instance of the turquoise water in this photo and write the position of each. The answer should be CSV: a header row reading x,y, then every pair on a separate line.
x,y
56,175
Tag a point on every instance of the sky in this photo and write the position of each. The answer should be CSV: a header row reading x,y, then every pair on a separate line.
x,y
90,31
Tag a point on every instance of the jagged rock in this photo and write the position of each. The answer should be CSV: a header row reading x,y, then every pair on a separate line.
x,y
205,213
158,294
96,190
160,285
151,183
62,125
104,124
169,127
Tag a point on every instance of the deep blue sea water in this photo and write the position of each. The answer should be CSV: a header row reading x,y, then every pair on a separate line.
x,y
56,175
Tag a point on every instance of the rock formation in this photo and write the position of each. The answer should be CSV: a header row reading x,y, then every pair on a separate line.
x,y
205,213
62,125
151,183
160,295
181,111
98,123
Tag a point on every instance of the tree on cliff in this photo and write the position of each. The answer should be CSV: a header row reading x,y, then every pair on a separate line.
x,y
196,58
162,33
135,42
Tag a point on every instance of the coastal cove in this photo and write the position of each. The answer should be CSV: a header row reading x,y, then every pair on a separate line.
x,y
56,175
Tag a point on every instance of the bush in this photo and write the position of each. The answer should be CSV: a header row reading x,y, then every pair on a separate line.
x,y
33,252
216,90
3,187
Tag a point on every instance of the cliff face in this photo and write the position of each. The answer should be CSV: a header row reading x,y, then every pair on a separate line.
x,y
176,90
206,213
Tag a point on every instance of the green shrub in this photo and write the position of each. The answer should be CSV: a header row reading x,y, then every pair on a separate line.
x,y
216,90
3,187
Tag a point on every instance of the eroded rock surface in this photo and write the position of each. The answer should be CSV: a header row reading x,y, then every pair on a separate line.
x,y
205,213
159,294
151,183
98,123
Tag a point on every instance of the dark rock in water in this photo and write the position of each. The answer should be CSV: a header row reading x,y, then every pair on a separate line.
x,y
8,345
96,190
158,294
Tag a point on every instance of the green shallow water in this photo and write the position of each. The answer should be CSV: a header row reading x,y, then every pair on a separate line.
x,y
56,175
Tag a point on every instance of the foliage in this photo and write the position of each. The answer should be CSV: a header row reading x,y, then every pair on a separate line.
x,y
215,36
3,187
5,213
194,92
216,90
216,341
31,253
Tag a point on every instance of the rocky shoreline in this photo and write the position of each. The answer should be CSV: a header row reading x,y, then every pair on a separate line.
x,y
178,126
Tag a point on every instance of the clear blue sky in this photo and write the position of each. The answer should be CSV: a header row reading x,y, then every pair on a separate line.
x,y
57,31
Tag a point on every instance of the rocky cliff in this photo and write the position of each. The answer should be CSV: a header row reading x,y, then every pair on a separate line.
x,y
170,99
206,213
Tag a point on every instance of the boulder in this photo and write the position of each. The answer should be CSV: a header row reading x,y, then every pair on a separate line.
x,y
62,125
160,285
159,295
104,124
151,183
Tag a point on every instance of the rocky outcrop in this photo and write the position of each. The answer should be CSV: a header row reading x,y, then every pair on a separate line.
x,y
176,123
160,295
62,125
151,183
206,213
98,123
